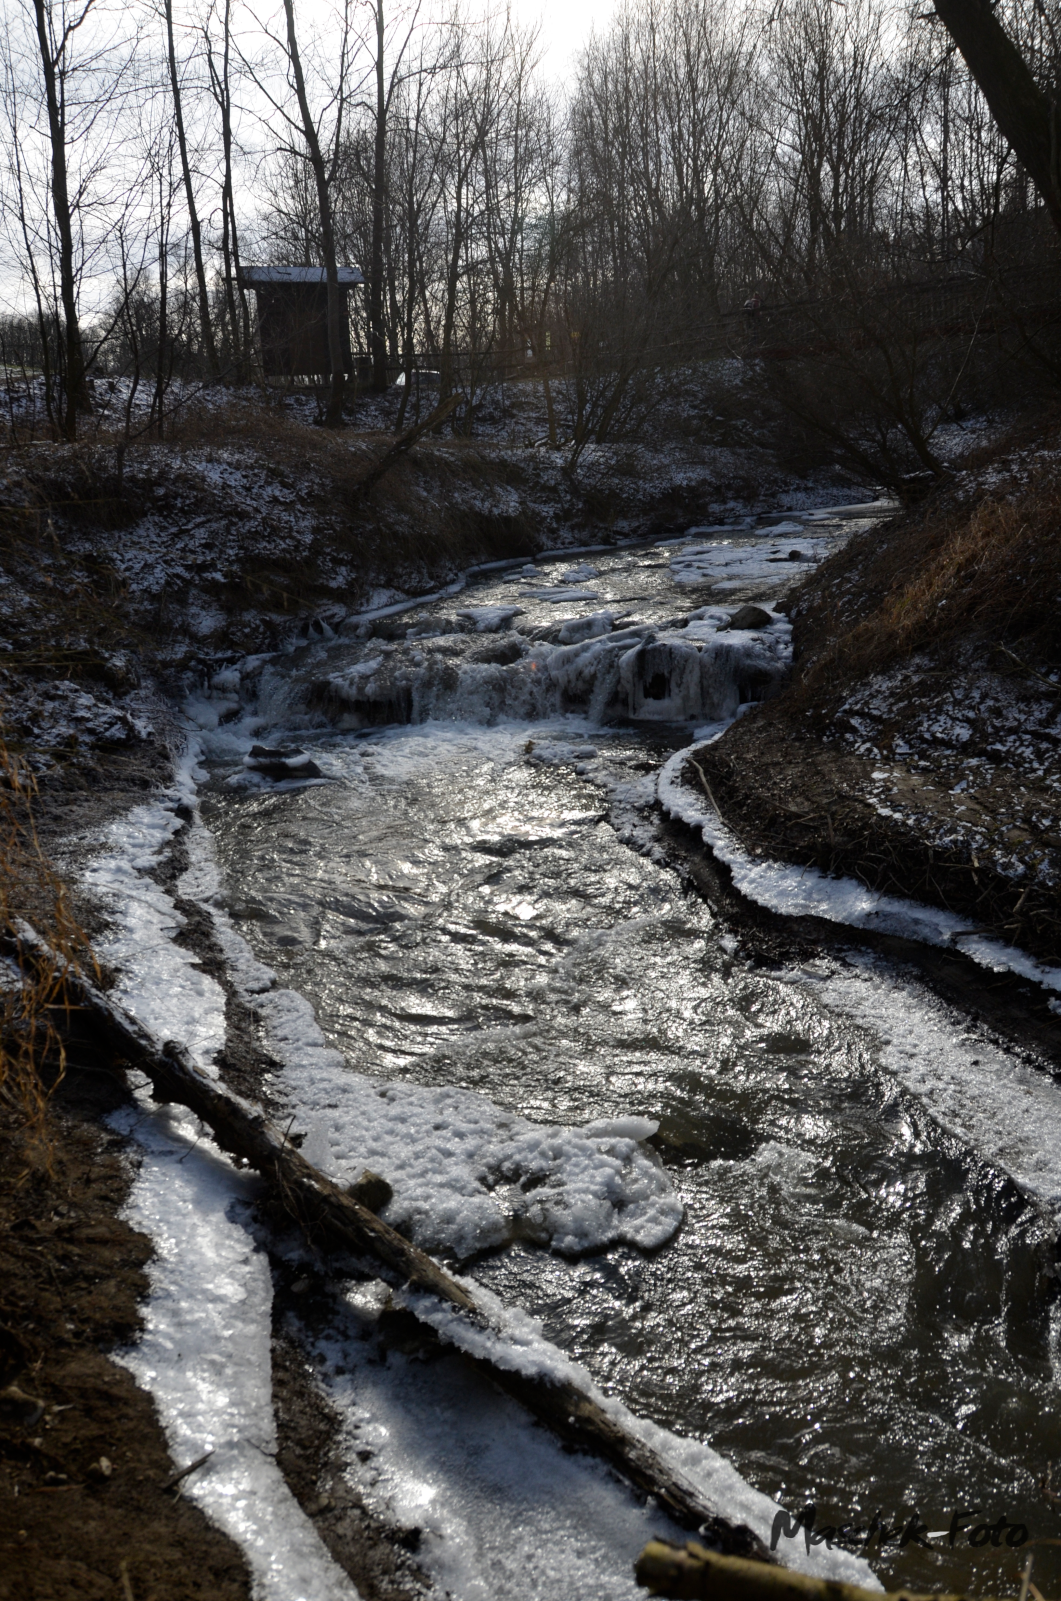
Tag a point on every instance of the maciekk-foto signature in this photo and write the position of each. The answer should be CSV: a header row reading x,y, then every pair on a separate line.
x,y
967,1524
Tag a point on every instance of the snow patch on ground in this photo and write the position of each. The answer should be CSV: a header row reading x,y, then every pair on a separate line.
x,y
205,1351
160,983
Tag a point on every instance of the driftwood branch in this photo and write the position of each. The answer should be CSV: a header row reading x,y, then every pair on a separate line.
x,y
331,1217
182,1473
691,1573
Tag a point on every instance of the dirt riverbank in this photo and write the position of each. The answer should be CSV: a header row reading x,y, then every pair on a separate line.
x,y
917,747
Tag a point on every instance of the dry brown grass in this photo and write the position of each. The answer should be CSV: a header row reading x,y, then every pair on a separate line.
x,y
31,1052
984,571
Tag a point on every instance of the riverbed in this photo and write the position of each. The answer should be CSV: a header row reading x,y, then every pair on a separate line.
x,y
715,1184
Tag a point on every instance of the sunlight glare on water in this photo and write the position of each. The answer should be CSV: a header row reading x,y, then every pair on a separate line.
x,y
855,1310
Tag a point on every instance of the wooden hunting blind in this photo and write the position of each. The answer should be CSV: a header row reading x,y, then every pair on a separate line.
x,y
293,318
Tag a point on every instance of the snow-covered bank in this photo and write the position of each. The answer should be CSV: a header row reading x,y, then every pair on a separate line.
x,y
804,891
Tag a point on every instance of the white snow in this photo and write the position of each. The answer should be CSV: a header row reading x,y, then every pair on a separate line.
x,y
803,891
204,1352
577,629
870,508
397,607
733,565
159,982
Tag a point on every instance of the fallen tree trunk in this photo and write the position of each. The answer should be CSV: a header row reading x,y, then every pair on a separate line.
x,y
403,443
331,1217
691,1573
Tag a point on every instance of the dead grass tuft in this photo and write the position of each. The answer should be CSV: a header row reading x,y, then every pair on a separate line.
x,y
979,571
32,1060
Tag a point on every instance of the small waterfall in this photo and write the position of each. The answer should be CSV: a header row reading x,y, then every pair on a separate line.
x,y
477,668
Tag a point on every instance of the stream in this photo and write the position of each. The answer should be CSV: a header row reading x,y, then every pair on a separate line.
x,y
706,1179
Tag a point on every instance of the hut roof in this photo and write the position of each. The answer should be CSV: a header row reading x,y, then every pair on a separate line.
x,y
253,276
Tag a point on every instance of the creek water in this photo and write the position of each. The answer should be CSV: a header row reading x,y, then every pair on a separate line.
x,y
856,1308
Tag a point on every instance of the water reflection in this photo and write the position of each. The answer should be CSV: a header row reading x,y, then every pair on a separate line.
x,y
855,1311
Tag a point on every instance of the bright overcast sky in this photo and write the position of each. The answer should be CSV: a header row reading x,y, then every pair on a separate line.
x,y
566,25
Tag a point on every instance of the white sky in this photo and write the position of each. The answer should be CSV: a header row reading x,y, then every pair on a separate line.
x,y
566,25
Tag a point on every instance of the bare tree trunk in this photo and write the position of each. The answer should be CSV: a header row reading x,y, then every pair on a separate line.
x,y
1022,111
550,409
235,295
333,415
165,209
375,275
209,344
75,396
446,363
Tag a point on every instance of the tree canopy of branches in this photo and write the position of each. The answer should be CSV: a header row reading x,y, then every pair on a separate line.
x,y
715,180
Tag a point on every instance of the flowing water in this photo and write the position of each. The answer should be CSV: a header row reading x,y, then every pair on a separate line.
x,y
854,1308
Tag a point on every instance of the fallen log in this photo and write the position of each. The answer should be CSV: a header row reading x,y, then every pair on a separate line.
x,y
331,1217
692,1573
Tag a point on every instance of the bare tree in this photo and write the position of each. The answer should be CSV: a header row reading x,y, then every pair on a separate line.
x,y
56,27
236,308
1026,115
206,321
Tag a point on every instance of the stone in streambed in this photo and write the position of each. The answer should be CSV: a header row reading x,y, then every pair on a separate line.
x,y
749,617
280,764
503,654
371,1191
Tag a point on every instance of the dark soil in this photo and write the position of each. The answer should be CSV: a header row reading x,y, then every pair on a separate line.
x,y
83,1512
918,745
